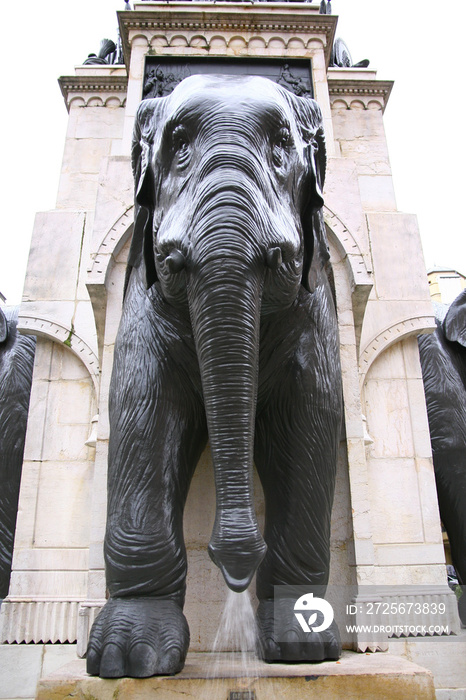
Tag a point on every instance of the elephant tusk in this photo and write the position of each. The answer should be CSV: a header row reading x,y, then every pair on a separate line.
x,y
274,258
175,261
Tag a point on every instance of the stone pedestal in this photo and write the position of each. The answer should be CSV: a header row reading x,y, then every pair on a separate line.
x,y
355,677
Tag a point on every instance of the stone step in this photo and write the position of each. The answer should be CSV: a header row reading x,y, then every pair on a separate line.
x,y
222,677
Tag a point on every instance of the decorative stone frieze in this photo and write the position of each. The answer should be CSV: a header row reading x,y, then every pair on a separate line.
x,y
405,612
94,90
213,28
46,621
351,93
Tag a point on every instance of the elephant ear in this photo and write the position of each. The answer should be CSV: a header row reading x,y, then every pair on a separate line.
x,y
454,324
316,254
3,327
141,253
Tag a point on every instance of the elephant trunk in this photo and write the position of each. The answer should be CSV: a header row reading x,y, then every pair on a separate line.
x,y
224,292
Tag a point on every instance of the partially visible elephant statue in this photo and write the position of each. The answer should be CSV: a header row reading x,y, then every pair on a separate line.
x,y
16,363
443,360
229,333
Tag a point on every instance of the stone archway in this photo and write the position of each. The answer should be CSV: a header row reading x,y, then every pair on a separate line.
x,y
62,333
53,522
102,265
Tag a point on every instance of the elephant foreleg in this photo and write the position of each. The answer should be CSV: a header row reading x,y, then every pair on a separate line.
x,y
297,436
157,432
296,471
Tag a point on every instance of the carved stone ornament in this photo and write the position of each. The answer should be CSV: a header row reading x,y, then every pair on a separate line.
x,y
162,76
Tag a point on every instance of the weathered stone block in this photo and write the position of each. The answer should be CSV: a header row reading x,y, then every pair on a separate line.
x,y
64,490
54,256
20,670
395,241
95,123
400,505
387,412
377,193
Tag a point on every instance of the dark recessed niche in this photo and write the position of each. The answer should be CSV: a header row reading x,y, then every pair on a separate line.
x,y
163,73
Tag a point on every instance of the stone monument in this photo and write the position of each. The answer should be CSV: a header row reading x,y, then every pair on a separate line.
x,y
385,523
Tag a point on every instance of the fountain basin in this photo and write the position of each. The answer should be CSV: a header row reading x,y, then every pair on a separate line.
x,y
355,677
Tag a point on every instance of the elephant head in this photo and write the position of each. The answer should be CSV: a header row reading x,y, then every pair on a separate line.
x,y
3,327
454,324
228,177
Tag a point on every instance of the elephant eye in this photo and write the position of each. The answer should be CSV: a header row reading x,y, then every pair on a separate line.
x,y
281,145
181,145
284,137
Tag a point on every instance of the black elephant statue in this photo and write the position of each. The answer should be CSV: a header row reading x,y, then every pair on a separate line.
x,y
228,333
443,361
16,364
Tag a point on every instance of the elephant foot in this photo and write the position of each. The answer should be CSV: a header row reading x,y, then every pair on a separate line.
x,y
285,641
138,637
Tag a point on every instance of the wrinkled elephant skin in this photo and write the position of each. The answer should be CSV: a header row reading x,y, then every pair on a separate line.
x,y
228,333
443,361
16,363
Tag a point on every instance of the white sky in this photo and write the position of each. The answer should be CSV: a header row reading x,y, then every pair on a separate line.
x,y
417,43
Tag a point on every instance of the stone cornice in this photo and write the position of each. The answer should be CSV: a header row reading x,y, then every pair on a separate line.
x,y
363,90
213,18
88,87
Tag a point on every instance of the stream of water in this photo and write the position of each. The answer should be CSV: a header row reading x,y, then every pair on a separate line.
x,y
235,651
